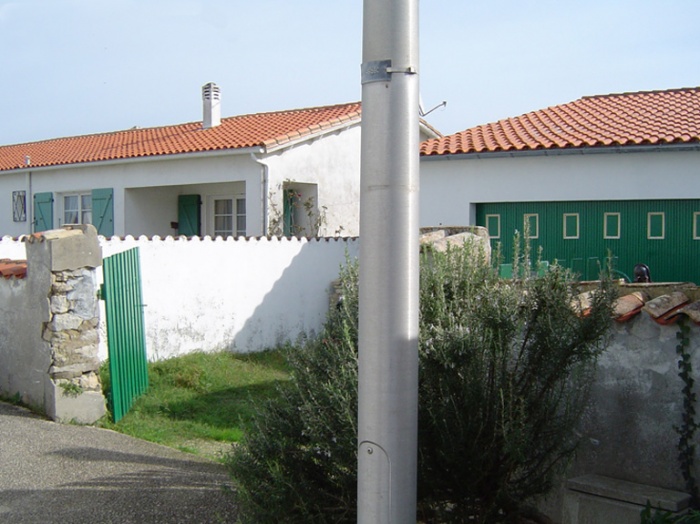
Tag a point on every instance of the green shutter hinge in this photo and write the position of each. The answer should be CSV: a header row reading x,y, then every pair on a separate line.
x,y
102,293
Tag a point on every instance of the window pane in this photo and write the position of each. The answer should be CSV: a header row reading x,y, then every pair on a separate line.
x,y
531,225
655,226
223,225
612,225
240,225
70,203
240,206
223,207
86,202
571,225
86,217
70,217
493,225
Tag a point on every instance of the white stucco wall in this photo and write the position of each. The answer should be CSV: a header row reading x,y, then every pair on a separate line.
x,y
136,209
239,295
8,183
451,186
25,357
332,162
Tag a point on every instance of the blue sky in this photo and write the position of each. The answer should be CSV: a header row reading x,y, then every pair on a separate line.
x,y
71,67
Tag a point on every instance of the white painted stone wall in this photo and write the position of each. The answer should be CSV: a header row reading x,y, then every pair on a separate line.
x,y
25,357
239,295
452,186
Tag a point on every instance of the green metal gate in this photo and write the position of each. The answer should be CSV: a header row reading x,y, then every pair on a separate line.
x,y
126,340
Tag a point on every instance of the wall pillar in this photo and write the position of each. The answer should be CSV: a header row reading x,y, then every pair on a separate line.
x,y
68,259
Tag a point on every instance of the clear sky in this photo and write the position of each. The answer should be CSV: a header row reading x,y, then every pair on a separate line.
x,y
72,67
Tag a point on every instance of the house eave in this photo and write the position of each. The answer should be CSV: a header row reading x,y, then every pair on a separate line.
x,y
658,148
273,147
139,159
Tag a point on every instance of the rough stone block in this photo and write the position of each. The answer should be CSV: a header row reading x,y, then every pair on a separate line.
x,y
72,247
85,408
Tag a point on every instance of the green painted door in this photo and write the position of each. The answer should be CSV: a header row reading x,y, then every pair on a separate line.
x,y
189,215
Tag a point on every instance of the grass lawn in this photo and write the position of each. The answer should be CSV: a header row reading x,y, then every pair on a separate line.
x,y
202,402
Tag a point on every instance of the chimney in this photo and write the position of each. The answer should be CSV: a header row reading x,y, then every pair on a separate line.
x,y
211,99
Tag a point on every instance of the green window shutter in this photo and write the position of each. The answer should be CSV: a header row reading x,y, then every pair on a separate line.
x,y
103,211
188,215
288,211
43,211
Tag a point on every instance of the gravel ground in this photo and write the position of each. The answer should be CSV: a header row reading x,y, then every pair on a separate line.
x,y
56,473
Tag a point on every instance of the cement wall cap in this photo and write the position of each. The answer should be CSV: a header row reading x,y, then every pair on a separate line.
x,y
631,492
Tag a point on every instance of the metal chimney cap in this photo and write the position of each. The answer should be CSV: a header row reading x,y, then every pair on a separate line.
x,y
211,91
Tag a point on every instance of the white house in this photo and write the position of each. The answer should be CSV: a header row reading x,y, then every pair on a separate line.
x,y
615,172
290,172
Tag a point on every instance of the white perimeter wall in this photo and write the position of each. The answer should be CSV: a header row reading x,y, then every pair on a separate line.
x,y
451,187
239,295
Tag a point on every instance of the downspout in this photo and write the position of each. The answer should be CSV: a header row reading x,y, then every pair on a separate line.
x,y
29,199
265,182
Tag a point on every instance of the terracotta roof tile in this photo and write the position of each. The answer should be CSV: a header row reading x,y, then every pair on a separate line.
x,y
650,117
13,268
260,129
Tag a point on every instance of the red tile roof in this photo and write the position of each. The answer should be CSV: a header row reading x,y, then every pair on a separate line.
x,y
13,268
261,129
644,118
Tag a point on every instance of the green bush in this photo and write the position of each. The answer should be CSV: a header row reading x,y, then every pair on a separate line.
x,y
657,516
504,372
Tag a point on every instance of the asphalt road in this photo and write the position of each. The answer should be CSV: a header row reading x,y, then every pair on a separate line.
x,y
56,473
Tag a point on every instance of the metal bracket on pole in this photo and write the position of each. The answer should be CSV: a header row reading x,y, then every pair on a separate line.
x,y
381,71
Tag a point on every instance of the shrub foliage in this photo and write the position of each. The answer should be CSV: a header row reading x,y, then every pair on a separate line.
x,y
505,367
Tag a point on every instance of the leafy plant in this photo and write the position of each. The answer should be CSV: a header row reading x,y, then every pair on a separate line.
x,y
315,217
650,515
505,368
688,427
71,389
505,374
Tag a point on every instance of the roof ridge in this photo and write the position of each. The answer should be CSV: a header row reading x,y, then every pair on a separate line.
x,y
137,129
649,92
659,117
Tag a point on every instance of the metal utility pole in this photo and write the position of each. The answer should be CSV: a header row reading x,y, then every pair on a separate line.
x,y
388,323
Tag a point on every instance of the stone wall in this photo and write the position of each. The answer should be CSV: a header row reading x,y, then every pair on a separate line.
x,y
629,432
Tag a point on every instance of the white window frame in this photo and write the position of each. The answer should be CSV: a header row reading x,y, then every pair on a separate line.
x,y
81,210
498,221
526,217
578,225
605,226
650,214
209,219
696,229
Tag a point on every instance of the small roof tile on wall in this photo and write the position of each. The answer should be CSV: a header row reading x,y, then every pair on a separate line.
x,y
13,268
626,119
